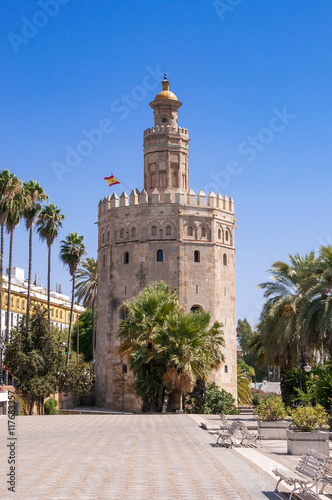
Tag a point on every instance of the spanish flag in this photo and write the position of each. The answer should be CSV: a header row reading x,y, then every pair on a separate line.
x,y
111,180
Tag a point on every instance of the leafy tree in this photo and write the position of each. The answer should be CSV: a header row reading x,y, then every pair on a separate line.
x,y
244,335
49,223
36,359
86,290
85,332
34,195
71,253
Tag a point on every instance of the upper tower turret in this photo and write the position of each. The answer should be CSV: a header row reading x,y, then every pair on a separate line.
x,y
166,146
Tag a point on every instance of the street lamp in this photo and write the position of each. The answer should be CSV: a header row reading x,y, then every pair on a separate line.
x,y
306,367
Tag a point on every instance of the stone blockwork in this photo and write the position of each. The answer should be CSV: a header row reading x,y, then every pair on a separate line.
x,y
172,235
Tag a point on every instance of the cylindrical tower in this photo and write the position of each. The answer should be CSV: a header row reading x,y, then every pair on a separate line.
x,y
164,233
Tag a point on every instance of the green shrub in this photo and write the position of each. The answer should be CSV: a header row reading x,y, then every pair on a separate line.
x,y
324,387
50,407
271,409
256,395
216,401
309,418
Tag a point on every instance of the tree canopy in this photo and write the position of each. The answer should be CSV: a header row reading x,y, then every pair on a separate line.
x,y
36,359
167,348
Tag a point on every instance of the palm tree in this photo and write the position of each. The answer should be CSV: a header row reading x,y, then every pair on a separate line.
x,y
86,290
71,252
278,340
9,186
49,223
190,348
167,348
34,194
15,210
145,313
316,315
243,387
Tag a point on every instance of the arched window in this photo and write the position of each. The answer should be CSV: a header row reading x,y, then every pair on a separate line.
x,y
122,233
103,238
52,312
12,301
174,180
226,235
160,256
194,309
219,234
60,314
224,259
203,232
154,231
23,304
57,313
197,256
108,236
168,230
189,231
123,312
18,304
226,369
104,260
126,258
133,232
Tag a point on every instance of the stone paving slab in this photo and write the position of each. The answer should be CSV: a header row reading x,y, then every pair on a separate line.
x,y
117,457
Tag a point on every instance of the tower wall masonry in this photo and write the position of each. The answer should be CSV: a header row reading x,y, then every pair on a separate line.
x,y
166,234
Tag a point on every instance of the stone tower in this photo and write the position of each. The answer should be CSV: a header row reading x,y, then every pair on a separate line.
x,y
164,233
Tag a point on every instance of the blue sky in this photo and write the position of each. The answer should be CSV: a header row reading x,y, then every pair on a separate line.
x,y
68,65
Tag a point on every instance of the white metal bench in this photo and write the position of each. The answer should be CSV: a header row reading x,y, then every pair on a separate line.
x,y
228,436
307,475
327,477
247,438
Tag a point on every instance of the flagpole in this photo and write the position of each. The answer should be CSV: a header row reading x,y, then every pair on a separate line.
x,y
124,184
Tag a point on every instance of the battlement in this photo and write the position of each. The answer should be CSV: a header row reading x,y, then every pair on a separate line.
x,y
217,202
166,129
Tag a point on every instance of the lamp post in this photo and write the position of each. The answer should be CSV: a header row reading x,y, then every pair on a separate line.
x,y
305,365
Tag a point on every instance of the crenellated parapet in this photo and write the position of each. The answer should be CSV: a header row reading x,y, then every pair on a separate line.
x,y
166,129
190,199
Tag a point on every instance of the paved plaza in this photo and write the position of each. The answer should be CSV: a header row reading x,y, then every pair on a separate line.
x,y
134,457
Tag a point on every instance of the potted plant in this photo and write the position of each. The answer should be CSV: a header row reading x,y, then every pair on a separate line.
x,y
309,430
271,415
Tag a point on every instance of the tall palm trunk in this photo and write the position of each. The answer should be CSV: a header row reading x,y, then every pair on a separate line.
x,y
70,320
9,289
29,276
49,286
93,334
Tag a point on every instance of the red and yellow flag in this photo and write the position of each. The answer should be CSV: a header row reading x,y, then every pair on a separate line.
x,y
111,180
